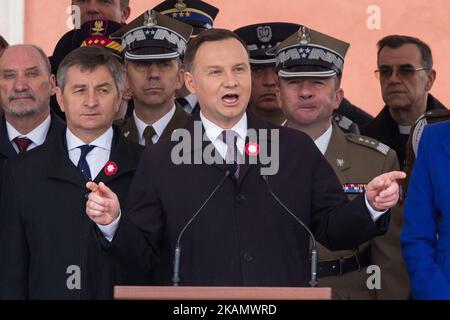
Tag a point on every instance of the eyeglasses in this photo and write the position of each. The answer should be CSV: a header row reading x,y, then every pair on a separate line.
x,y
404,71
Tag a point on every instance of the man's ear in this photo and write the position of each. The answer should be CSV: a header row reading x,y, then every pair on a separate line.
x,y
126,11
189,82
338,98
431,77
59,98
180,79
52,84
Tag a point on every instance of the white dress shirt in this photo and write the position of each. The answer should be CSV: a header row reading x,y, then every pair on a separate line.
x,y
37,135
322,143
159,126
96,159
214,134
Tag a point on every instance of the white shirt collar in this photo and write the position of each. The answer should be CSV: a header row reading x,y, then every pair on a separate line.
x,y
323,141
103,142
404,129
213,130
159,125
37,135
213,133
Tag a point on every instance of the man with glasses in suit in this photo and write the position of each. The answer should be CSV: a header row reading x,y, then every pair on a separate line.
x,y
406,74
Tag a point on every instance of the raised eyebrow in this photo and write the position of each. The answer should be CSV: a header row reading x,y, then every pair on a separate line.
x,y
8,71
32,69
104,84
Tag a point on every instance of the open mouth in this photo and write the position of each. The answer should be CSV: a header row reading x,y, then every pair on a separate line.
x,y
230,99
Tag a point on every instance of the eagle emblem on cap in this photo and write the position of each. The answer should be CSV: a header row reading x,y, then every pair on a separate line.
x,y
264,33
98,29
150,18
180,5
303,35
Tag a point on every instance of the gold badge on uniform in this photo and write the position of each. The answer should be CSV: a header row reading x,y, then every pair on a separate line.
x,y
180,5
98,29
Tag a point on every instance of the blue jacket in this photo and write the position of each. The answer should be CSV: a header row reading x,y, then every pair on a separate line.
x,y
426,232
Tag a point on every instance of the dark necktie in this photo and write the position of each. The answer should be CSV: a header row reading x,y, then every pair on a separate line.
x,y
22,144
149,132
83,166
229,137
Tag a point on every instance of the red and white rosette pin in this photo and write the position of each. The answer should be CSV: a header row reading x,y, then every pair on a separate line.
x,y
111,168
252,149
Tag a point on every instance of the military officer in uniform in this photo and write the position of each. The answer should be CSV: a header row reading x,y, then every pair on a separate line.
x,y
153,44
264,101
310,92
200,15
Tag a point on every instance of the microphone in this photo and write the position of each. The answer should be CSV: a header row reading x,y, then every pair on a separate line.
x,y
313,280
177,258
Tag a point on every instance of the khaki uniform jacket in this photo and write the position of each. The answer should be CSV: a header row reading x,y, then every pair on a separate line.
x,y
179,120
358,159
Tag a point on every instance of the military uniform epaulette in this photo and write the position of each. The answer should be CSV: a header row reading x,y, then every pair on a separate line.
x,y
345,123
368,142
434,116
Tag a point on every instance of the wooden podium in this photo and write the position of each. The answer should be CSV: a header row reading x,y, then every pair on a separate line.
x,y
222,293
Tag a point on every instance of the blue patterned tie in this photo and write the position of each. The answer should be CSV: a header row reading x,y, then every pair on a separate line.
x,y
83,166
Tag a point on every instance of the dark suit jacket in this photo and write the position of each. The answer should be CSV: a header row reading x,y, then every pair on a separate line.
x,y
242,237
7,150
44,228
130,131
384,129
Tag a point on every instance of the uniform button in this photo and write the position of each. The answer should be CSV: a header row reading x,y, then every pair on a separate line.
x,y
248,257
240,197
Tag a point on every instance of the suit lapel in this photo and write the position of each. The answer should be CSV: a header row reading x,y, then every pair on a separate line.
x,y
179,120
6,148
130,130
60,166
121,152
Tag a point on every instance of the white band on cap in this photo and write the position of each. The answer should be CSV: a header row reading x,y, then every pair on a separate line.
x,y
131,56
262,61
315,74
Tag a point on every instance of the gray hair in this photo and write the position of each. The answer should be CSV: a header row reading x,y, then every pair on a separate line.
x,y
89,58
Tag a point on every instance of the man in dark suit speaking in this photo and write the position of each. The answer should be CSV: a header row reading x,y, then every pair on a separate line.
x,y
241,235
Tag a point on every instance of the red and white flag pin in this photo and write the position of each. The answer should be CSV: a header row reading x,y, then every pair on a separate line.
x,y
252,149
111,168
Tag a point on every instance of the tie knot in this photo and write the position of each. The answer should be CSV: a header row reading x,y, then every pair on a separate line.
x,y
85,149
149,132
22,143
229,137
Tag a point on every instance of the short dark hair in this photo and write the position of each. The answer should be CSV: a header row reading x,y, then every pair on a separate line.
x,y
3,43
207,36
396,41
89,58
